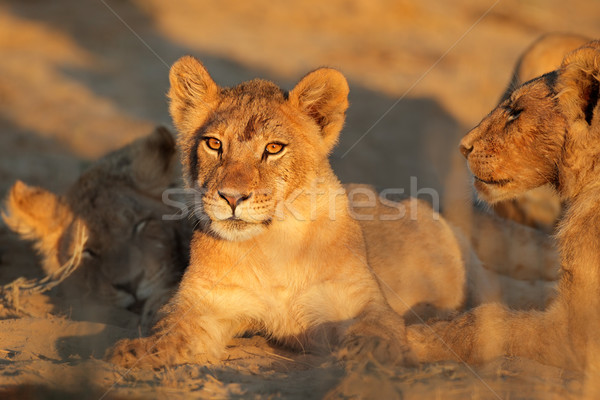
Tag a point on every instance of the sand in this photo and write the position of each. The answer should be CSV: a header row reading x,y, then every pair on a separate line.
x,y
78,79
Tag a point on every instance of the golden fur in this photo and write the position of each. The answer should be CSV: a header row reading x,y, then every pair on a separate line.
x,y
132,258
425,267
268,256
541,207
547,132
279,249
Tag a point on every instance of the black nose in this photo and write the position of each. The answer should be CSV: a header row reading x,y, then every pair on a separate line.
x,y
234,199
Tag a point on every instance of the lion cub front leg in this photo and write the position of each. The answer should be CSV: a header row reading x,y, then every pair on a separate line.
x,y
191,330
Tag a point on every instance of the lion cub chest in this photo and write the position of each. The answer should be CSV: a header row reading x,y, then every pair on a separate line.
x,y
293,298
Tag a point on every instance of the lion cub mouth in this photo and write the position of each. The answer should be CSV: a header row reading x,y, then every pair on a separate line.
x,y
234,221
500,182
237,229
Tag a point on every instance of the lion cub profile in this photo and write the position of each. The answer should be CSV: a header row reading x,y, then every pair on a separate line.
x,y
270,255
541,207
547,131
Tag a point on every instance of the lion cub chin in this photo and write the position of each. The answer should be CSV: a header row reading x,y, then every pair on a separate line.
x,y
276,251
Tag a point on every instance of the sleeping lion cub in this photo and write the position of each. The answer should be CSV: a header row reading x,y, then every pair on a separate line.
x,y
277,249
132,258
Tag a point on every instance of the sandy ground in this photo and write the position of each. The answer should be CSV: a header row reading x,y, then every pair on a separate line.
x,y
80,78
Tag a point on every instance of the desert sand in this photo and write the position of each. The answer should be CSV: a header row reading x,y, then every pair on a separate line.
x,y
81,78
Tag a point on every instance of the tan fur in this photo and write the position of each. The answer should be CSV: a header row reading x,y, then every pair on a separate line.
x,y
283,265
512,249
541,207
425,267
295,263
428,269
553,140
132,258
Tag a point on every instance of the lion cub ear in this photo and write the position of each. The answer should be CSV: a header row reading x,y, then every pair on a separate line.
x,y
193,94
153,161
323,95
35,213
578,84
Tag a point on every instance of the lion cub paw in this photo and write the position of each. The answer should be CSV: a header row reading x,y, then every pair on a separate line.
x,y
136,353
372,348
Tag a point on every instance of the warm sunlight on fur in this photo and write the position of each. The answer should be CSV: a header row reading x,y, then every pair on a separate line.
x,y
297,266
545,133
302,281
540,207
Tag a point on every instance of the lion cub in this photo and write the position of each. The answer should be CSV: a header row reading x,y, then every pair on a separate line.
x,y
547,131
540,207
277,250
132,258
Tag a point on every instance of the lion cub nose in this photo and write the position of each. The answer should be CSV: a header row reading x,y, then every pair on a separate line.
x,y
466,144
233,199
465,150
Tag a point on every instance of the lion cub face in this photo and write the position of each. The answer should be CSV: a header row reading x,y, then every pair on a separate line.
x,y
130,254
516,147
545,132
249,148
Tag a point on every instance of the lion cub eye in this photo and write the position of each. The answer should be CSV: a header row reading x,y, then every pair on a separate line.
x,y
89,254
214,144
274,148
514,114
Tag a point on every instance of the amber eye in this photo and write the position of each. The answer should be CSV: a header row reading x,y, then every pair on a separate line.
x,y
274,148
214,144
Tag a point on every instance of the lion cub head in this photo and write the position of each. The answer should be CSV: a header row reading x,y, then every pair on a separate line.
x,y
531,138
130,254
248,148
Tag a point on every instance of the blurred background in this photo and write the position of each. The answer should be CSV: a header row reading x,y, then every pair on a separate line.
x,y
80,78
